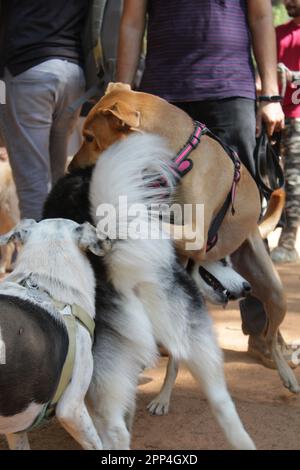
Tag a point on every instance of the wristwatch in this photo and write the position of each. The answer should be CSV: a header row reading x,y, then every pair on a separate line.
x,y
270,99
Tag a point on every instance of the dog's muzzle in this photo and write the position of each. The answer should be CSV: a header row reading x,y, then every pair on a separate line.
x,y
217,286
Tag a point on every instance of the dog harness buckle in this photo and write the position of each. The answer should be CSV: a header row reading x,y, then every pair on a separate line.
x,y
181,163
66,310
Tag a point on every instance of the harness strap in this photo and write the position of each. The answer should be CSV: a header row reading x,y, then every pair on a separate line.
x,y
65,376
39,420
181,162
71,315
79,313
230,199
183,165
212,236
66,373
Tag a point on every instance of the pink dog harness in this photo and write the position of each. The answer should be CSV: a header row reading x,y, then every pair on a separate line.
x,y
182,165
181,162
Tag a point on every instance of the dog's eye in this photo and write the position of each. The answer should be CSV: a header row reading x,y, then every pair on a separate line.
x,y
89,138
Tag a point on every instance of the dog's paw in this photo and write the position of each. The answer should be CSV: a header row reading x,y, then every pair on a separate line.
x,y
158,408
292,385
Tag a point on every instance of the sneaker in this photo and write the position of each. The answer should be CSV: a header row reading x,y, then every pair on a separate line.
x,y
258,349
282,255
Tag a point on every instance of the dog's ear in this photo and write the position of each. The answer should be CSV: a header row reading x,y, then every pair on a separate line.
x,y
87,239
117,86
126,115
19,233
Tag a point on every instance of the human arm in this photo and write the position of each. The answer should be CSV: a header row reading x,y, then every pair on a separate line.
x,y
132,29
264,46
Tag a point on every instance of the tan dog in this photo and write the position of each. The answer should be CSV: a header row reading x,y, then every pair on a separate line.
x,y
122,111
9,212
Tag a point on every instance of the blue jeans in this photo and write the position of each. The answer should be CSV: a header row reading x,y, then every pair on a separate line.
x,y
36,125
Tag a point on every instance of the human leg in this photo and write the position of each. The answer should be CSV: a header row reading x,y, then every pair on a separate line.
x,y
36,124
286,251
26,121
72,84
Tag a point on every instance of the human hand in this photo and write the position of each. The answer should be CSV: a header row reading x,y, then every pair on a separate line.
x,y
272,115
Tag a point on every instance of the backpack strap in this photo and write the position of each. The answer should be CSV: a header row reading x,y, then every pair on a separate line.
x,y
92,29
93,53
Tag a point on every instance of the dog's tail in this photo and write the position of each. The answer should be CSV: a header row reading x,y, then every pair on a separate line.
x,y
273,213
130,176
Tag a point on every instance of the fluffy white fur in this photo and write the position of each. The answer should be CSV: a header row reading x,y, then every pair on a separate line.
x,y
235,288
158,302
130,168
136,160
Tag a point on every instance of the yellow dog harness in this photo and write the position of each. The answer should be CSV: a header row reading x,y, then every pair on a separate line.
x,y
72,315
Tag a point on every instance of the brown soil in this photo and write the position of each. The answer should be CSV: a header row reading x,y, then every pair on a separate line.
x,y
270,413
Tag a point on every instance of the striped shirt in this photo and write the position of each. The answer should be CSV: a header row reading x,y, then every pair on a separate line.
x,y
198,50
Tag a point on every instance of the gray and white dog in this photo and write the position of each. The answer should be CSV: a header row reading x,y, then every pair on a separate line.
x,y
157,301
218,282
52,277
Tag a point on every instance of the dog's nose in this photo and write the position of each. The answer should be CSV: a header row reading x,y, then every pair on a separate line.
x,y
246,288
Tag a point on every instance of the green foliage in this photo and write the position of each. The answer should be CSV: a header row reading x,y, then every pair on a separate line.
x,y
280,14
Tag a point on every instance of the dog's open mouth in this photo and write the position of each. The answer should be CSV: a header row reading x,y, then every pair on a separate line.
x,y
216,285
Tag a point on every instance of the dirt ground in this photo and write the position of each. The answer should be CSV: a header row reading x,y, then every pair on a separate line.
x,y
269,412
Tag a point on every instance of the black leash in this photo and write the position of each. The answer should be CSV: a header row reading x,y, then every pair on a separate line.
x,y
269,173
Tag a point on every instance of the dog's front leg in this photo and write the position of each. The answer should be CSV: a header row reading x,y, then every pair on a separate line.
x,y
160,404
18,441
205,362
71,410
121,349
